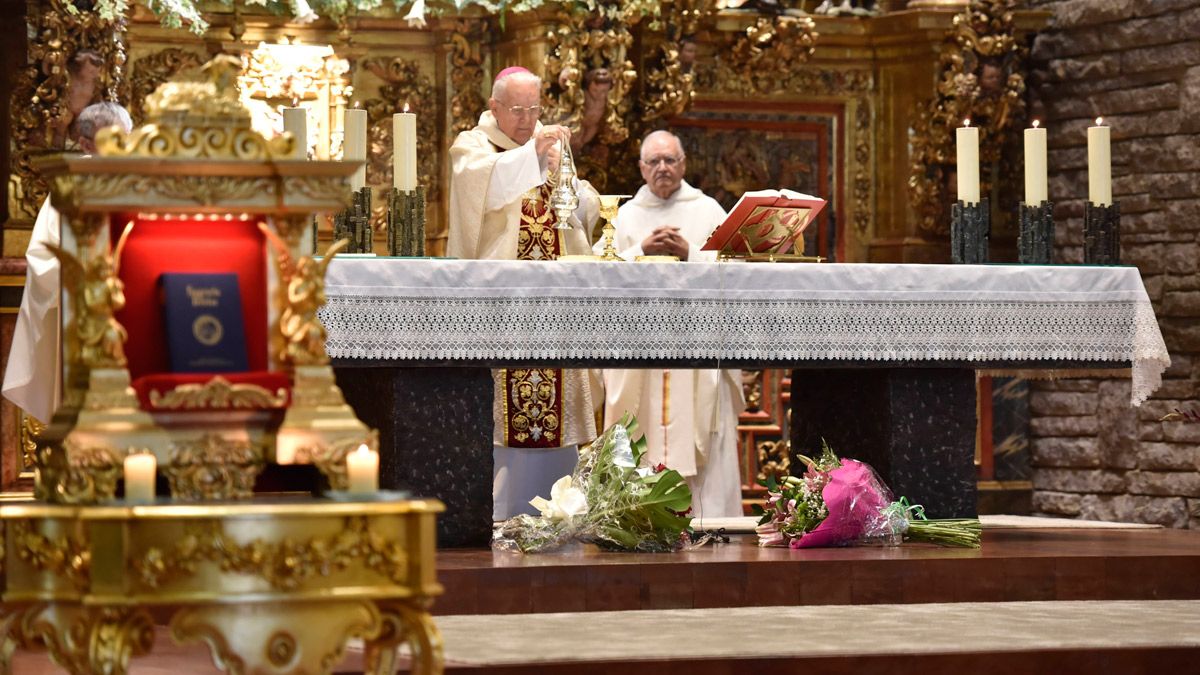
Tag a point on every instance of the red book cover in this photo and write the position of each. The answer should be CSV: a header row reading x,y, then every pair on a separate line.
x,y
765,222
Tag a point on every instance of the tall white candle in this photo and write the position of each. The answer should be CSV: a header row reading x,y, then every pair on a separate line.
x,y
355,145
1099,164
295,120
362,469
1036,190
139,477
404,150
968,163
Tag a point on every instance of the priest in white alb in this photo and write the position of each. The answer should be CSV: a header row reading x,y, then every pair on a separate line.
x,y
33,378
502,175
689,417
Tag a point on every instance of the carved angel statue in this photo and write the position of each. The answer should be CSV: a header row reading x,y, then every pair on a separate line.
x,y
304,280
101,336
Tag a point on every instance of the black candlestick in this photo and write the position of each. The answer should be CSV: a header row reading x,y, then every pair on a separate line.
x,y
1102,234
406,222
970,229
354,223
1035,242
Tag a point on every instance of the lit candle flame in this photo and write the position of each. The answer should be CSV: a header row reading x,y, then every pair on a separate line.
x,y
967,122
362,449
1099,121
1036,124
406,106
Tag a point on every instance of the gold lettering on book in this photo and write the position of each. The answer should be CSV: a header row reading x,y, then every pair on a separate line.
x,y
204,297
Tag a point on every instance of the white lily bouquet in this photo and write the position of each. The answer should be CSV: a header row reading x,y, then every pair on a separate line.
x,y
607,500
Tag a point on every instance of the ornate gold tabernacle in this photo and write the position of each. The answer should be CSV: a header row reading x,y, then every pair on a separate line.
x,y
81,569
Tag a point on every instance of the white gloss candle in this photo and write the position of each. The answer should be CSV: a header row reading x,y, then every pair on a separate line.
x,y
139,477
1099,164
295,120
355,145
404,150
1036,190
967,138
362,470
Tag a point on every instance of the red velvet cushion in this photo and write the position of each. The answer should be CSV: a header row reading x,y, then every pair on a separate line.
x,y
183,244
165,382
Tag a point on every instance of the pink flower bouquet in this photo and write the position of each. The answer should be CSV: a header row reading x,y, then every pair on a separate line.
x,y
842,502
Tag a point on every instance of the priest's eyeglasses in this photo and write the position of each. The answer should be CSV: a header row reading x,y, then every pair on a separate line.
x,y
522,111
667,161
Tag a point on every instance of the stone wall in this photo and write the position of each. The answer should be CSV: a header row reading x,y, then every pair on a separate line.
x,y
1137,63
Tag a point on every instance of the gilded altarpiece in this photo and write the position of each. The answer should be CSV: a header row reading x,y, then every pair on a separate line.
x,y
826,104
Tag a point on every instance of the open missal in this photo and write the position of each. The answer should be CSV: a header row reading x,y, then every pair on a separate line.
x,y
203,314
765,222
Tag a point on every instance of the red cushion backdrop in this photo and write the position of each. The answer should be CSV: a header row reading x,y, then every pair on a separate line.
x,y
180,244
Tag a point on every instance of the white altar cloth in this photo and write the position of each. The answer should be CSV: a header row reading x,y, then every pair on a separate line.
x,y
466,310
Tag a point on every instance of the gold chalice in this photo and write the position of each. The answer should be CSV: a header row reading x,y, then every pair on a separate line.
x,y
608,211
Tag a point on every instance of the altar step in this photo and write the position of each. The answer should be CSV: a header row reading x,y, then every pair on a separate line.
x,y
1013,565
1029,637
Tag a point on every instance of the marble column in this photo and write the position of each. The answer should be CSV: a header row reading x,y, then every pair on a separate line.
x,y
916,426
435,439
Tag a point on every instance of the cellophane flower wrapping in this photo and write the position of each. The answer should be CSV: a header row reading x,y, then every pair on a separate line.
x,y
607,500
844,502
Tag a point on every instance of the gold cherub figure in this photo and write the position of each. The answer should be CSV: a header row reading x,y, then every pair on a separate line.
x,y
101,336
302,331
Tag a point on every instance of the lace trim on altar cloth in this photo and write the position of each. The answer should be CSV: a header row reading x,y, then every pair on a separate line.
x,y
423,327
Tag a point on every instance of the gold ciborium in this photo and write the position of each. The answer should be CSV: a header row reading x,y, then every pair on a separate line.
x,y
608,211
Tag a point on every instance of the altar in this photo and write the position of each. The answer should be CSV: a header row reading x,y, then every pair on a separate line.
x,y
887,354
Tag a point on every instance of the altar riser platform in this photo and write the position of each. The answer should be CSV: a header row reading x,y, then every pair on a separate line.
x,y
1058,662
1014,565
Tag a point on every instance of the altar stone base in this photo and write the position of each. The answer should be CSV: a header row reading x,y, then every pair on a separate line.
x,y
435,439
915,426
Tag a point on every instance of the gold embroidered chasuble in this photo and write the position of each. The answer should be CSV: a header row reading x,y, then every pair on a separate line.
x,y
533,407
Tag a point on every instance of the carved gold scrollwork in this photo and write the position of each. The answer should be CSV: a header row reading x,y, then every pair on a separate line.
x,y
285,564
204,190
588,86
774,459
148,72
76,57
278,637
861,182
466,74
411,624
31,429
320,188
197,120
87,474
92,639
213,467
218,393
331,459
67,557
979,78
668,87
404,84
758,60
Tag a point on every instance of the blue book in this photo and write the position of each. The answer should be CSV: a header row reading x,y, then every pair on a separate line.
x,y
204,328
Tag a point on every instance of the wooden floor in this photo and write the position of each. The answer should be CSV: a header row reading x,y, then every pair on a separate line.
x,y
1012,565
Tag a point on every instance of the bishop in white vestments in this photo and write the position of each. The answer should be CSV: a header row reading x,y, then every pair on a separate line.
x,y
502,177
689,417
33,378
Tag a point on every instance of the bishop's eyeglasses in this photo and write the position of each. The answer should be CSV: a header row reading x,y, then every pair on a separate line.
x,y
522,111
